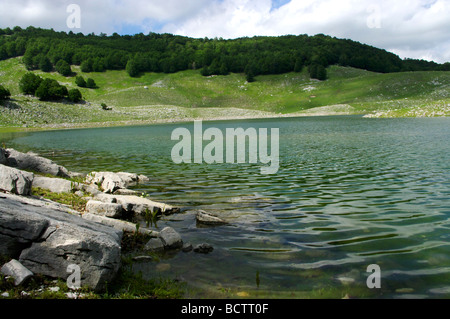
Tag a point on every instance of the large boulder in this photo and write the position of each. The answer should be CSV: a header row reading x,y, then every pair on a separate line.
x,y
2,156
110,182
55,185
35,163
49,240
104,209
15,181
119,224
18,231
136,204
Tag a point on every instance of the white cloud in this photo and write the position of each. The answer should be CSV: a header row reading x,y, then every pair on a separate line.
x,y
410,28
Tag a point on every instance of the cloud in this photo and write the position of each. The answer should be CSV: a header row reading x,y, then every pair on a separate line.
x,y
410,28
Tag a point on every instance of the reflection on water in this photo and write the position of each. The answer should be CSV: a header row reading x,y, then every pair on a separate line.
x,y
350,192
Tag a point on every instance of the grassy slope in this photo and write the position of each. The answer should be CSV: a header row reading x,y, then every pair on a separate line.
x,y
187,95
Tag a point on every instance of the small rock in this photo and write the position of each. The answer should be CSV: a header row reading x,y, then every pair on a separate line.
x,y
346,280
142,258
203,248
126,191
187,248
143,179
79,193
5,295
16,270
404,290
74,295
163,267
170,238
208,219
154,244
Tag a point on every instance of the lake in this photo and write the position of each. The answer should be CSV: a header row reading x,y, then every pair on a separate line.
x,y
350,192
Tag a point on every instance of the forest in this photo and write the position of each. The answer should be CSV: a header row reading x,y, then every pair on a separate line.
x,y
49,50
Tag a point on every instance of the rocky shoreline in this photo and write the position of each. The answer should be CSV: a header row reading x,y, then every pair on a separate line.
x,y
42,237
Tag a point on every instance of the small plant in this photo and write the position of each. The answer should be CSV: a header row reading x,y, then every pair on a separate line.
x,y
90,84
258,281
136,233
151,217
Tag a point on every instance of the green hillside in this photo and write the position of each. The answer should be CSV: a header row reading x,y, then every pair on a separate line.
x,y
181,96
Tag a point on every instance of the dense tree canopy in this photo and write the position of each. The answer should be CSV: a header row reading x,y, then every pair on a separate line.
x,y
48,49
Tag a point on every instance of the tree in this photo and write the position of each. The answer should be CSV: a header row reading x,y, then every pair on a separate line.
x,y
321,73
50,89
4,93
44,64
3,54
29,83
74,95
298,67
250,73
98,65
317,71
27,59
63,68
86,66
90,83
132,68
205,71
79,80
250,76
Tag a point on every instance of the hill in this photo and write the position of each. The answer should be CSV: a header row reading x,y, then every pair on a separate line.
x,y
186,95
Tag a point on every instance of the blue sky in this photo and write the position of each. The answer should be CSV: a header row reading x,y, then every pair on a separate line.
x,y
409,28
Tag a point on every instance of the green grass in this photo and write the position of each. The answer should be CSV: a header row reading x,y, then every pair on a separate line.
x,y
126,285
74,201
187,95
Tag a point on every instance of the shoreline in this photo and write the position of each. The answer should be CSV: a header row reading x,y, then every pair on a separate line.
x,y
130,123
332,110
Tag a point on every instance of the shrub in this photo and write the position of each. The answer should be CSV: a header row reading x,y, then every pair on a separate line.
x,y
80,81
50,89
74,95
63,68
86,66
90,83
44,64
29,83
4,93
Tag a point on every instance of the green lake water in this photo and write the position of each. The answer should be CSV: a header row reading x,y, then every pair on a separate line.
x,y
350,192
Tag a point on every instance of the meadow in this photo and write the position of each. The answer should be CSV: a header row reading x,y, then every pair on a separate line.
x,y
187,95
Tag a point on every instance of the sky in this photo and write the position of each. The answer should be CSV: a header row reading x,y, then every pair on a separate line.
x,y
418,29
